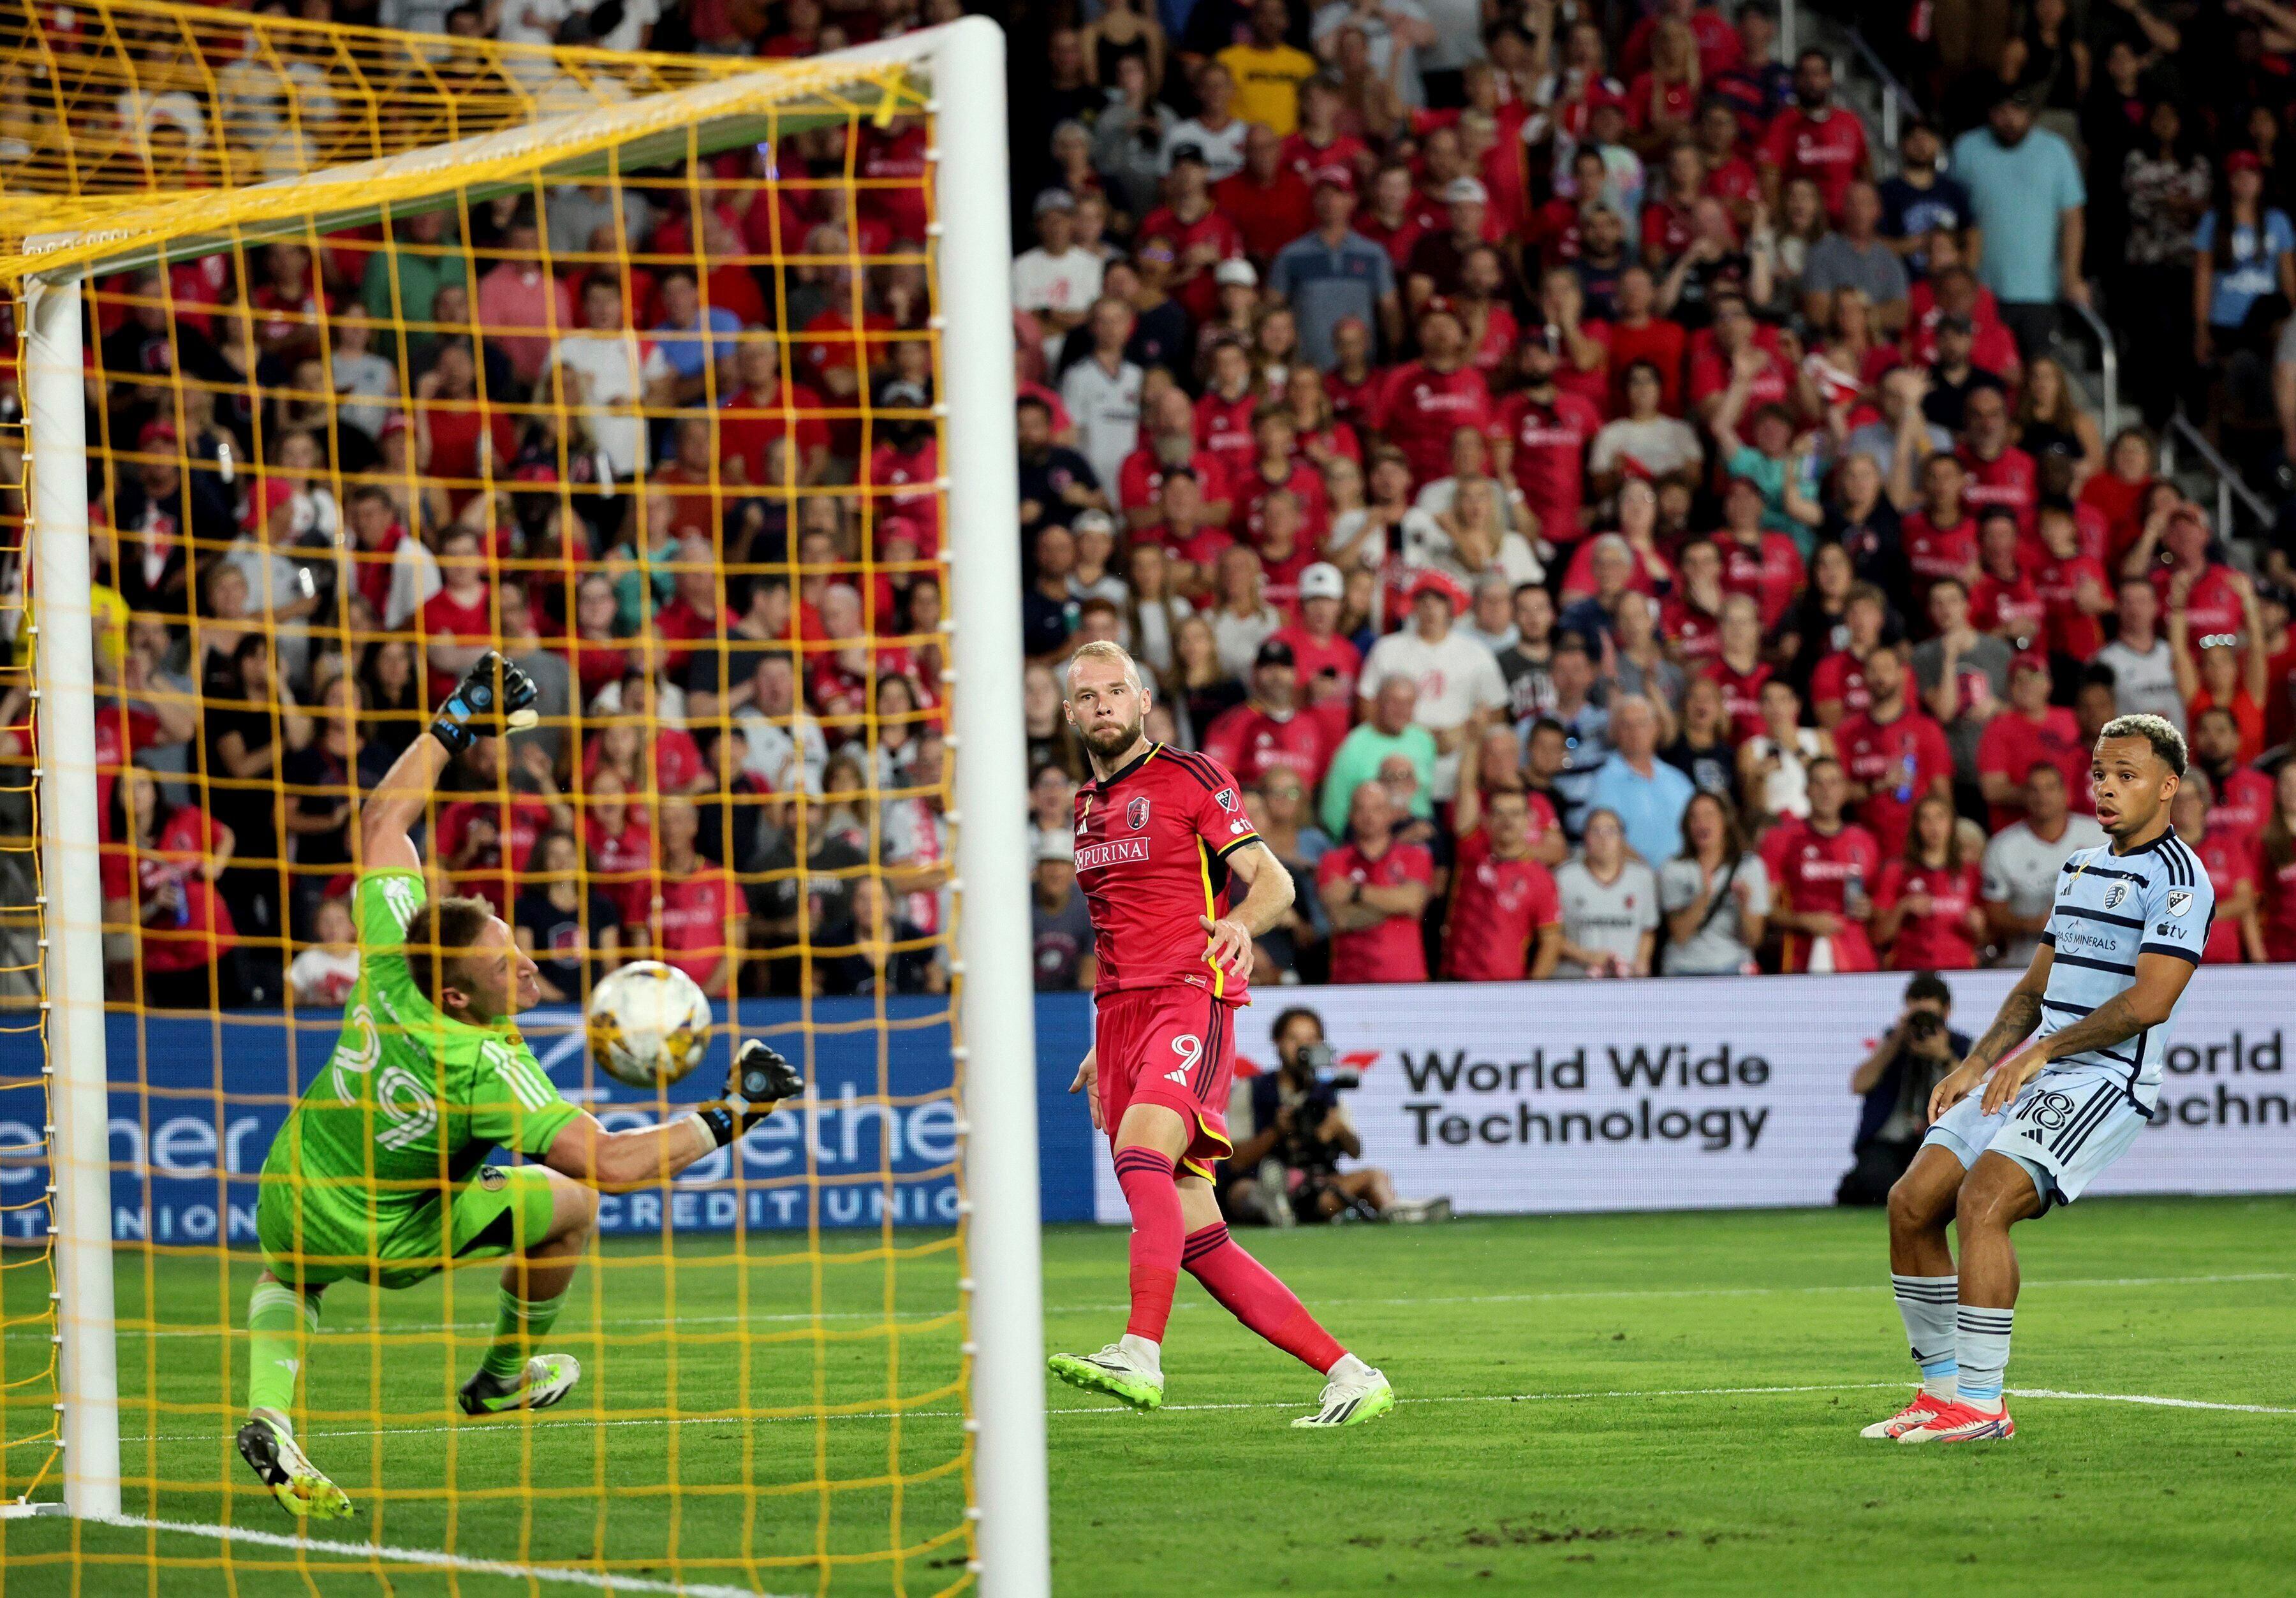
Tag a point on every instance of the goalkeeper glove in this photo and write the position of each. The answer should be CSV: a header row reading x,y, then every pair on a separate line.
x,y
496,698
758,1082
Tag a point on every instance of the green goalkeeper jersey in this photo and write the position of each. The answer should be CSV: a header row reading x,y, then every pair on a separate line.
x,y
410,1103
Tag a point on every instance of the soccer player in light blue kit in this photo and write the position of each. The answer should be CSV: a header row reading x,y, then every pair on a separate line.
x,y
2124,935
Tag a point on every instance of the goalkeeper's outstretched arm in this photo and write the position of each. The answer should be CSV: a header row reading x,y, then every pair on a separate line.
x,y
759,1081
494,700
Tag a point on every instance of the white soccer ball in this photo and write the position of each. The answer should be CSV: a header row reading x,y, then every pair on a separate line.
x,y
649,1024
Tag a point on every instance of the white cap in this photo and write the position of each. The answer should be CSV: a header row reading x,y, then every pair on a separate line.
x,y
1323,581
1236,273
1056,846
1462,191
1093,521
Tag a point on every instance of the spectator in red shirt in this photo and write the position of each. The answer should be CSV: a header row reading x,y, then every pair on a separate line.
x,y
1999,472
1197,232
1324,663
1224,414
2030,731
1505,921
1269,730
1277,467
2072,587
1691,618
1755,560
2276,868
1639,334
1837,687
1374,888
2240,802
764,409
1940,537
1821,871
1928,908
1269,200
2213,596
1815,138
159,873
2004,601
2231,675
694,914
1738,668
1193,542
2231,861
1168,440
458,621
1894,754
1427,400
1542,437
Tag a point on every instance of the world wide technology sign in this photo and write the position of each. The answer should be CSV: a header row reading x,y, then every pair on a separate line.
x,y
1716,1093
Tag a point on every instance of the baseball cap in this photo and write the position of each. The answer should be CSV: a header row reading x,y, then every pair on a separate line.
x,y
1334,176
2029,660
1093,521
1056,846
1465,191
1323,581
1189,151
1236,273
2242,160
1054,199
1276,653
1431,581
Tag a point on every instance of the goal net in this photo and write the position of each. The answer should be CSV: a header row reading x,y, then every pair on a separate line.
x,y
345,357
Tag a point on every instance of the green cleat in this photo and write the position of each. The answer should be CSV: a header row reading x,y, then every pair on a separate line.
x,y
1351,1403
547,1378
1111,1370
269,1448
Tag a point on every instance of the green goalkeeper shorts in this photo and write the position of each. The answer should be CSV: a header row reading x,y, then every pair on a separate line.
x,y
313,1235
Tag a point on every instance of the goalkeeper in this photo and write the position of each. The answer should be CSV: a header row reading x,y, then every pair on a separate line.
x,y
379,1174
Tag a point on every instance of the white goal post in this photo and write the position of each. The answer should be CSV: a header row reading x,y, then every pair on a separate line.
x,y
962,66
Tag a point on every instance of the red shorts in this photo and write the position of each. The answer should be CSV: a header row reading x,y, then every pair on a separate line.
x,y
1173,1046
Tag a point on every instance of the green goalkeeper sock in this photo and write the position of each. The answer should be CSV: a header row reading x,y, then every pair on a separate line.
x,y
519,1322
278,1318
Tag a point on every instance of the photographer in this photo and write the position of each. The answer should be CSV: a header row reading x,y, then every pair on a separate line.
x,y
1896,1080
1287,1172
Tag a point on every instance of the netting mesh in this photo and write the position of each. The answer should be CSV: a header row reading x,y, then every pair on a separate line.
x,y
643,396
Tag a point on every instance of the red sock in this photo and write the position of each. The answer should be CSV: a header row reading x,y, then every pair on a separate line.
x,y
1249,1292
1146,1177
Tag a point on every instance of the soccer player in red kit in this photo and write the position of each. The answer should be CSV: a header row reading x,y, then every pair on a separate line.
x,y
1161,840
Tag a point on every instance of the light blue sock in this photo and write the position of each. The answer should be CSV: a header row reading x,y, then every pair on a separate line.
x,y
1927,1305
1982,1345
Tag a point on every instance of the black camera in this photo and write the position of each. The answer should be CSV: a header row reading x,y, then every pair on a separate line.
x,y
1315,1059
1923,1025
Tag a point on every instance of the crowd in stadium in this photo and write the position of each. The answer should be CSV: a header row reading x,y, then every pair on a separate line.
x,y
1612,516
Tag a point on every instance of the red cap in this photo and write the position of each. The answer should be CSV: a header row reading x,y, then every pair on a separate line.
x,y
2243,160
396,423
1600,94
158,430
2030,659
1334,175
1431,580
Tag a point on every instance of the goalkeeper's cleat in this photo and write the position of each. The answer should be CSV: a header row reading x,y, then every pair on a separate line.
x,y
1351,1403
269,1448
1111,1370
1959,1423
548,1379
1920,1413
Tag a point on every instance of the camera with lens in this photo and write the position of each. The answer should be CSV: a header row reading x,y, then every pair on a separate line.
x,y
1923,1025
1313,1060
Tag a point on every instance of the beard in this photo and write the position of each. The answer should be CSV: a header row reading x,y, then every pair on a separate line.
x,y
1110,742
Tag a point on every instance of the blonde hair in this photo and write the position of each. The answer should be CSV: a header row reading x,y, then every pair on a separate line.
x,y
1102,649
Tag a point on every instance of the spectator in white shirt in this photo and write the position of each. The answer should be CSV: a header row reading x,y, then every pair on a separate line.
x,y
1103,392
2022,860
1215,130
1460,686
1058,280
607,371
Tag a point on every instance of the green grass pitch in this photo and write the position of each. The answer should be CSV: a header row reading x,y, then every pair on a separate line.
x,y
1649,1403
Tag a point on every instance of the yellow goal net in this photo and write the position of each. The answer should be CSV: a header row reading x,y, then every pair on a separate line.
x,y
342,359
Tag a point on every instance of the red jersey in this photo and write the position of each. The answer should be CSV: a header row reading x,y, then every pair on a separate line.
x,y
1497,907
1391,950
1735,182
892,166
121,732
1742,695
2070,629
1399,240
620,864
1345,152
1421,408
1658,341
2009,480
2277,884
2230,861
748,423
1771,572
1251,741
1197,294
1151,844
1247,514
1898,761
1709,376
690,911
2011,746
492,872
1355,401
1940,941
1268,218
1223,432
1828,149
1666,229
1811,872
1695,632
2213,610
1141,479
2243,805
1327,668
2013,604
201,933
445,617
1932,551
1840,677
1550,457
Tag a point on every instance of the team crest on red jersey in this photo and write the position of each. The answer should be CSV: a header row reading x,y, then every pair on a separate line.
x,y
1136,813
1224,798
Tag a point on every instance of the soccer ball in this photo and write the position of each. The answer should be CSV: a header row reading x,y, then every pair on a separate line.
x,y
649,1024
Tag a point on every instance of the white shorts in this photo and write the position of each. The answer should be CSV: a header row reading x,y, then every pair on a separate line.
x,y
2065,1126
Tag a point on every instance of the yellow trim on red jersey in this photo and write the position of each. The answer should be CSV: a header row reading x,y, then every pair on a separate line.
x,y
1211,913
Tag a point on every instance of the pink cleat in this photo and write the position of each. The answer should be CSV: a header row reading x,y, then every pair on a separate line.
x,y
1959,1423
1916,1414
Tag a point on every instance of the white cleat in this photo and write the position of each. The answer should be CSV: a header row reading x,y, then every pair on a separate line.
x,y
1915,1416
1351,1403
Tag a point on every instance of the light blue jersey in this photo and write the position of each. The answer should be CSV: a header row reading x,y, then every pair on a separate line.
x,y
2109,909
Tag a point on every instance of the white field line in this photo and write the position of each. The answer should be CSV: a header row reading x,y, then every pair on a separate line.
x,y
382,1553
577,1423
1879,1288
